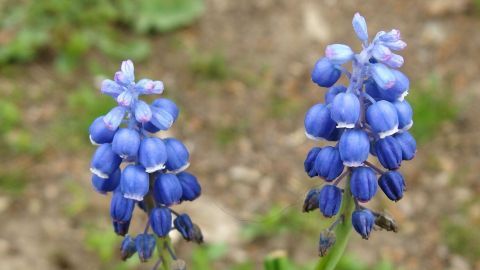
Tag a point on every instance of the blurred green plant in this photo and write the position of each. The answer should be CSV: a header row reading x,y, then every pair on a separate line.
x,y
13,182
10,115
83,106
105,244
476,3
434,105
462,238
67,30
204,256
78,199
283,220
282,106
160,15
209,66
279,261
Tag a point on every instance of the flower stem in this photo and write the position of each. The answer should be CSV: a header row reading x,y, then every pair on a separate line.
x,y
163,252
342,232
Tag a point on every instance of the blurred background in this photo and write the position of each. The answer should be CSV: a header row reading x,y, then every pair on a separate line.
x,y
240,73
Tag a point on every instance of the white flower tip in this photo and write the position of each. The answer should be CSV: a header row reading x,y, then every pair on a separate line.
x,y
388,132
345,125
99,173
155,168
353,163
135,197
402,96
407,127
311,137
181,169
93,141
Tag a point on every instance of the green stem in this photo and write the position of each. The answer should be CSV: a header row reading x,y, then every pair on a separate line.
x,y
163,252
342,232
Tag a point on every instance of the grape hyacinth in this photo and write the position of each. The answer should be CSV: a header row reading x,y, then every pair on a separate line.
x,y
141,170
368,118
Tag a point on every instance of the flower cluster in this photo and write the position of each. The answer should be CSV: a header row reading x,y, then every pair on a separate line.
x,y
152,176
368,117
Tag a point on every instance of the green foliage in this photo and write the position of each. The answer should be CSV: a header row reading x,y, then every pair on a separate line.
x,y
83,106
281,220
433,105
102,242
279,261
462,238
68,30
105,244
10,115
477,4
13,181
78,200
281,106
161,15
203,257
351,262
209,66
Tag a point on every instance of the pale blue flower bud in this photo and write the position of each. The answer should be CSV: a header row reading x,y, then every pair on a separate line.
x,y
360,27
339,53
143,114
114,118
382,75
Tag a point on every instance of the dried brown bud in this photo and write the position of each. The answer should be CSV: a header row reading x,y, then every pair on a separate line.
x,y
385,222
197,234
327,240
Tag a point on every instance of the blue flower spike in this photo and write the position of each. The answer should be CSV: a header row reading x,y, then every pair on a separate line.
x,y
367,118
139,167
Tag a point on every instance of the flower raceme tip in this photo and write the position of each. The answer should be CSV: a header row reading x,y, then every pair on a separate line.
x,y
153,177
368,118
